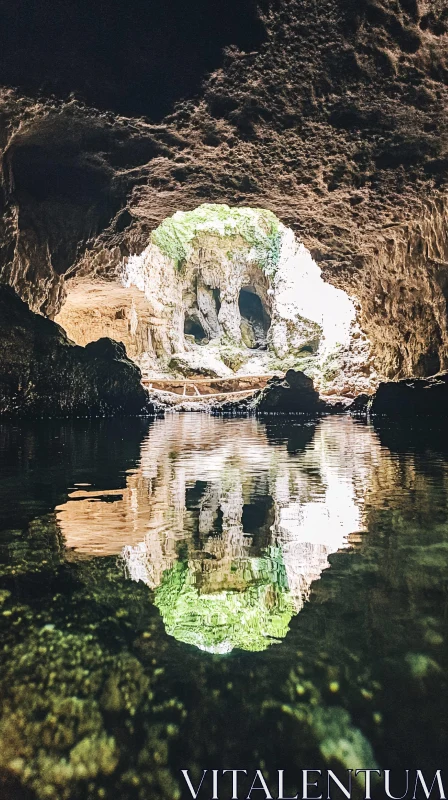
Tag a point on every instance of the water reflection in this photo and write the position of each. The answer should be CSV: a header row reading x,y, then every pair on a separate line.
x,y
230,527
91,684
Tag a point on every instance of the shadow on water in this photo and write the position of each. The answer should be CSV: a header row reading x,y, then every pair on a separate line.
x,y
199,592
42,460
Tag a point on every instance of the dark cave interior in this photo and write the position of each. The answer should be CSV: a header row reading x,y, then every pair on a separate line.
x,y
194,328
132,58
252,310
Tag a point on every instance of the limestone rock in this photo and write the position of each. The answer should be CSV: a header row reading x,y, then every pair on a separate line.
x,y
195,363
294,394
248,334
45,374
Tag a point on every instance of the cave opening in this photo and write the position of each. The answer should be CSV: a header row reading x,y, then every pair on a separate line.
x,y
255,321
192,327
224,292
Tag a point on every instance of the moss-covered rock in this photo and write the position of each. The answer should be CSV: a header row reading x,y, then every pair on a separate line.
x,y
258,227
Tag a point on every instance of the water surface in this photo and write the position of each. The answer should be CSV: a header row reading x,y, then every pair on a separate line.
x,y
196,592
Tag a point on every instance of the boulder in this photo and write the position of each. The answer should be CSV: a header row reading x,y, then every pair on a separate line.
x,y
236,408
412,397
197,363
295,393
45,374
359,405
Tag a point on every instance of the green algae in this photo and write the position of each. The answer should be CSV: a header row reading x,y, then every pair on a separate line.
x,y
259,228
60,691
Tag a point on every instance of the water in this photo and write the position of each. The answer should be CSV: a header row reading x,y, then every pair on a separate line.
x,y
198,593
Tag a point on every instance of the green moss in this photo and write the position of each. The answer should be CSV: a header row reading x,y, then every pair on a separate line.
x,y
232,356
64,695
258,227
250,620
308,364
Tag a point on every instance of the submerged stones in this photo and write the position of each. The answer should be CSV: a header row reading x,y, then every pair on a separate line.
x,y
64,697
46,374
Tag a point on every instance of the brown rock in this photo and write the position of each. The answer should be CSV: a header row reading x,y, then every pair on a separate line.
x,y
44,374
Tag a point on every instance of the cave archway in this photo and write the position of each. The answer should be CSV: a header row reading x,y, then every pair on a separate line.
x,y
222,291
193,327
255,321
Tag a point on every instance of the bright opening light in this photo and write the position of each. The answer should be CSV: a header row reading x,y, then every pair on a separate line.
x,y
300,289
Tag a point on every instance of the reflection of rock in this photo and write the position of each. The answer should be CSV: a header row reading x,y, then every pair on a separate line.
x,y
248,538
44,373
219,563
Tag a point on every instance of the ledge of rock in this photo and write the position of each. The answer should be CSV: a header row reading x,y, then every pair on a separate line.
x,y
412,397
45,374
295,393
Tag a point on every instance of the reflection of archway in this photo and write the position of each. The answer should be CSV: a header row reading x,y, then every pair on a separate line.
x,y
255,321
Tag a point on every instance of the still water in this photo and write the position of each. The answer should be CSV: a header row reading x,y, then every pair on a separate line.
x,y
205,593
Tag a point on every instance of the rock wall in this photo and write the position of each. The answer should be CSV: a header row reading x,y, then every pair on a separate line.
x,y
44,374
94,309
336,123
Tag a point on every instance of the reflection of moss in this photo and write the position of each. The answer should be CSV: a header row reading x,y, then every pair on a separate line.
x,y
258,227
251,619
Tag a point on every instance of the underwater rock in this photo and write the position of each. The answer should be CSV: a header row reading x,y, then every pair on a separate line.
x,y
412,397
45,374
295,393
62,694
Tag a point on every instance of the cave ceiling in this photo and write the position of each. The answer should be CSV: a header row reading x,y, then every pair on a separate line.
x,y
330,113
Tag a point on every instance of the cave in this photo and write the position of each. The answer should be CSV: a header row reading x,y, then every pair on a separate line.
x,y
254,315
193,327
223,396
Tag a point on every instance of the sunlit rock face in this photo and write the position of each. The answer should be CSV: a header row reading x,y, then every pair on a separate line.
x,y
220,291
231,290
104,308
230,556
